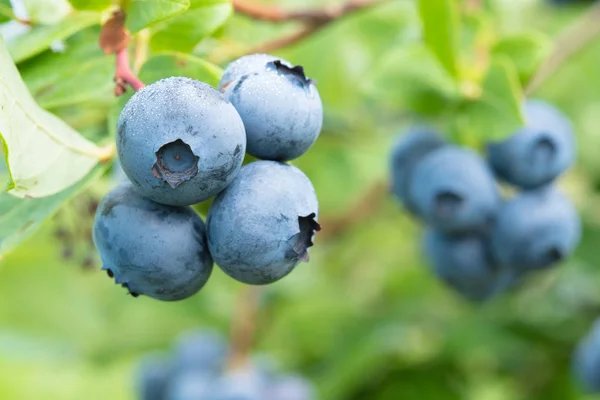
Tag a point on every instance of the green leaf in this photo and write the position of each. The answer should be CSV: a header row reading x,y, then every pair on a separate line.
x,y
6,13
47,11
42,36
412,78
20,217
43,154
144,13
180,64
82,73
95,5
526,50
441,24
497,113
183,32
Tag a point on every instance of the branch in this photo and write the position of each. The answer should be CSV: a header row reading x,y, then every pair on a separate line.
x,y
243,325
114,38
367,205
312,20
276,14
568,44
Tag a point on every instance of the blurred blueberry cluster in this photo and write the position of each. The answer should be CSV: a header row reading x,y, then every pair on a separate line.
x,y
198,369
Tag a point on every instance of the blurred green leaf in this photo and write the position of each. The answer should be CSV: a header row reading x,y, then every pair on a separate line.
x,y
47,11
180,64
82,73
413,78
19,217
144,13
43,154
526,50
6,13
42,36
497,113
95,5
441,26
183,32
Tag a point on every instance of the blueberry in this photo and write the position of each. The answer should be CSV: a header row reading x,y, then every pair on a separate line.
x,y
250,64
152,249
410,148
281,110
179,141
240,384
537,153
453,190
464,263
535,230
190,385
290,388
586,360
153,377
201,350
262,225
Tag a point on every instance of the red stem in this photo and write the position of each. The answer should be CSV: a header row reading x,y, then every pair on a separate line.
x,y
124,75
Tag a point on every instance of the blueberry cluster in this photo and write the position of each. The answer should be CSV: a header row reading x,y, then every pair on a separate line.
x,y
197,370
478,242
181,142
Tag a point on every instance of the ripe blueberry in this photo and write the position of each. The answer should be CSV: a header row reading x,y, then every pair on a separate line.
x,y
453,190
250,64
152,249
281,109
290,388
202,350
240,384
262,225
152,377
535,230
179,141
537,153
464,263
410,148
190,385
586,360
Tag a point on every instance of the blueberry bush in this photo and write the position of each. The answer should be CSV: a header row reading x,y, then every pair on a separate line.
x,y
326,199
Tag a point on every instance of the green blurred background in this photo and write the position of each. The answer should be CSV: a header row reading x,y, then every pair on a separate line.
x,y
364,319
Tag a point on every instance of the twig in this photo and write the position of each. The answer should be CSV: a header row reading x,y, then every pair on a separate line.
x,y
568,44
368,205
124,76
312,20
276,14
243,325
284,41
114,38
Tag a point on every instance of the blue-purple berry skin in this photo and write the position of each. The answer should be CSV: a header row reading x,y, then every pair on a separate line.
x,y
150,248
536,230
409,149
586,360
180,142
281,109
262,225
453,190
202,350
152,377
246,65
539,152
464,263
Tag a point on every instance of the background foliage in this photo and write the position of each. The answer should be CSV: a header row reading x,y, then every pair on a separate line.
x,y
364,319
